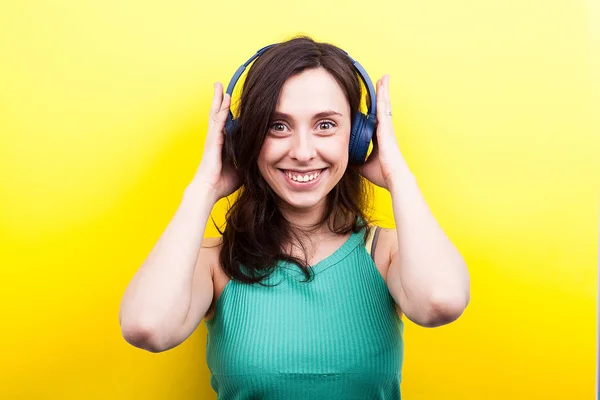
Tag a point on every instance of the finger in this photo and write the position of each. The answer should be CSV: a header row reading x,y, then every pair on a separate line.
x,y
217,128
217,99
381,102
387,93
221,115
219,110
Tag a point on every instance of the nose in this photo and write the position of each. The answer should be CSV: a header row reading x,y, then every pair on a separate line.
x,y
303,149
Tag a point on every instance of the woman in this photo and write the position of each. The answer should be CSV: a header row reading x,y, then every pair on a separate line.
x,y
302,296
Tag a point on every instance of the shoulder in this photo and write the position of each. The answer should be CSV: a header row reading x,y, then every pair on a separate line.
x,y
381,244
386,245
388,240
209,252
212,242
384,241
211,245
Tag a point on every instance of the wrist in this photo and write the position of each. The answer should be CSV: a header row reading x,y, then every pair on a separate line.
x,y
401,177
201,191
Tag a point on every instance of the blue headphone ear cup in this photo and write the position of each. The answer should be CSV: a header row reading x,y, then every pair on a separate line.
x,y
230,124
230,127
354,134
360,138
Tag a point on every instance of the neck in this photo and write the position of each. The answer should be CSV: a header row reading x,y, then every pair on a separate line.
x,y
307,232
306,219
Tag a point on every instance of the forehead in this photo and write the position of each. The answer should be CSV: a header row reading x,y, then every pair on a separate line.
x,y
312,91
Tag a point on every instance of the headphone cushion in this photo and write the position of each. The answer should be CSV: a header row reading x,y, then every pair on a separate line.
x,y
360,138
230,124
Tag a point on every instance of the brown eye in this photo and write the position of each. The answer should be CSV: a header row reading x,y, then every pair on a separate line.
x,y
327,124
278,126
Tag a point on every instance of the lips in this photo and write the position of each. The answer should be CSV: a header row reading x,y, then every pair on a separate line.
x,y
295,172
302,178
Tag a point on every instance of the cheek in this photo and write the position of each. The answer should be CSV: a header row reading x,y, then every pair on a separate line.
x,y
264,155
270,153
335,151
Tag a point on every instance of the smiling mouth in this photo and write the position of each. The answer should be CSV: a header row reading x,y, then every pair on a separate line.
x,y
303,178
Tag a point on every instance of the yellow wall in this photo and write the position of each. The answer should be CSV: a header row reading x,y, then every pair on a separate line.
x,y
103,109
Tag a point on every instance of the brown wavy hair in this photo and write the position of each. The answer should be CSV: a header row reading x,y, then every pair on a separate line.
x,y
256,232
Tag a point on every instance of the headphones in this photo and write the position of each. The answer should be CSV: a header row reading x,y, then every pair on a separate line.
x,y
363,126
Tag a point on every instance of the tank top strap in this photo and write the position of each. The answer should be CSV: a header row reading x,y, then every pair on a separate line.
x,y
371,241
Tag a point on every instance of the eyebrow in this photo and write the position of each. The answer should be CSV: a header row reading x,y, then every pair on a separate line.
x,y
322,114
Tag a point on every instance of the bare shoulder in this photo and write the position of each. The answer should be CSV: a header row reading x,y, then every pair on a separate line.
x,y
212,242
388,239
211,246
387,246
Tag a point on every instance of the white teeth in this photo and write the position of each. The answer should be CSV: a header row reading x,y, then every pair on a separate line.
x,y
302,178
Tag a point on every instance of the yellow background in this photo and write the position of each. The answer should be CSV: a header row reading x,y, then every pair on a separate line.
x,y
103,111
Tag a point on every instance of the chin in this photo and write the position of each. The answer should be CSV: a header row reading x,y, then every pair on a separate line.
x,y
303,202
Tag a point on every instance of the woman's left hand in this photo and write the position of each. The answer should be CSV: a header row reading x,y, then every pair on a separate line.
x,y
385,159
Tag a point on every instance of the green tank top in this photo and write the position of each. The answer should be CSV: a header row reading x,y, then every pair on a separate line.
x,y
336,337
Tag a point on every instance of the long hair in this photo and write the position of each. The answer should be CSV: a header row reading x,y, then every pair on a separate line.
x,y
256,231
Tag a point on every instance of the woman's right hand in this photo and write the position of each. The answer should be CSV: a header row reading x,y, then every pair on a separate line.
x,y
213,174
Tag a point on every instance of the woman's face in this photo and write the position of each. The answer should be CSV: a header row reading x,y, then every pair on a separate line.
x,y
305,152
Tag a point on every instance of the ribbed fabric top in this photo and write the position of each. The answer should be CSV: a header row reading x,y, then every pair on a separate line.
x,y
336,337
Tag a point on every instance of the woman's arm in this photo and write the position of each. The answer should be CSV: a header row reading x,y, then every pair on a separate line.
x,y
173,289
155,306
427,275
